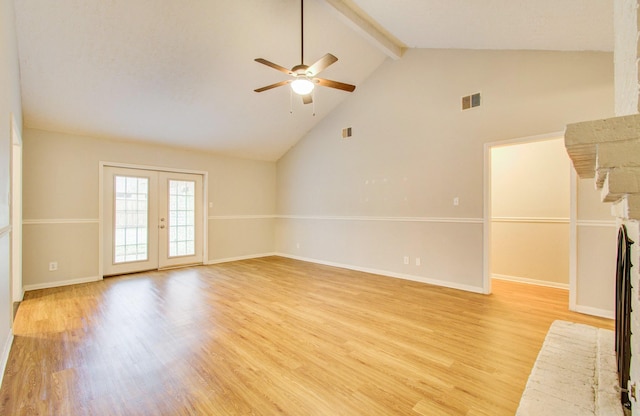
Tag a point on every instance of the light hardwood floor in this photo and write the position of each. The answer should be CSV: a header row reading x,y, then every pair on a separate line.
x,y
276,336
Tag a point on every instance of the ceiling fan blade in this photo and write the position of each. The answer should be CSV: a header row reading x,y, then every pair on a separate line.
x,y
268,87
307,99
274,66
321,65
335,84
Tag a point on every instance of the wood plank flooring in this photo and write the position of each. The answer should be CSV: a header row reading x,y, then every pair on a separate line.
x,y
276,336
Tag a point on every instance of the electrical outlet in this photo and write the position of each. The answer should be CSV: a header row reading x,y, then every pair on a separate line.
x,y
406,259
418,262
297,245
53,266
456,201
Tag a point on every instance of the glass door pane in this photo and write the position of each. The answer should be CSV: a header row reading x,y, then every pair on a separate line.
x,y
131,231
182,217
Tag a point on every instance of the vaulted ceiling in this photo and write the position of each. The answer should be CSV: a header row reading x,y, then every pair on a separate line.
x,y
183,73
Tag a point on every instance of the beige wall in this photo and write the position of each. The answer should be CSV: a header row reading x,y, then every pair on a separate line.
x,y
60,191
9,108
530,200
596,233
413,150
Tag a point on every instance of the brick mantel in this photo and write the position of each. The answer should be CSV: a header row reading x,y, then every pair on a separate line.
x,y
608,150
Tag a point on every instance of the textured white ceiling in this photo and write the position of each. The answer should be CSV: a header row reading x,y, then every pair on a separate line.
x,y
182,73
573,25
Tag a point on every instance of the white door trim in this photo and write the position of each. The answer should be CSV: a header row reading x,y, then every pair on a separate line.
x,y
205,204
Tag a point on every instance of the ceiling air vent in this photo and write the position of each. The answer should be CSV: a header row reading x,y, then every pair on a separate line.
x,y
471,101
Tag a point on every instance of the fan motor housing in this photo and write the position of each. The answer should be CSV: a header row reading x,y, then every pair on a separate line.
x,y
299,69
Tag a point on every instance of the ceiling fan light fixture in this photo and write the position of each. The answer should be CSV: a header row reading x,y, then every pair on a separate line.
x,y
302,85
304,76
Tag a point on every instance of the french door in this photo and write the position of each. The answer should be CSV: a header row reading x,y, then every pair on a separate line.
x,y
152,220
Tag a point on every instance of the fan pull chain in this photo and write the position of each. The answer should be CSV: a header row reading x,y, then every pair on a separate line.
x,y
290,101
313,97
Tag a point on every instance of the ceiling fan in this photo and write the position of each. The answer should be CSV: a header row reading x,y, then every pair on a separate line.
x,y
304,77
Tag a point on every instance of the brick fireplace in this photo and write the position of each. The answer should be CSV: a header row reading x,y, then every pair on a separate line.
x,y
608,151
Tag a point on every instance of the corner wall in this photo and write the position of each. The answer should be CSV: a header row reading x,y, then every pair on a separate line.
x,y
61,194
386,193
10,107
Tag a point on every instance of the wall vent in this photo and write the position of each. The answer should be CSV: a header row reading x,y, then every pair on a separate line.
x,y
471,101
346,133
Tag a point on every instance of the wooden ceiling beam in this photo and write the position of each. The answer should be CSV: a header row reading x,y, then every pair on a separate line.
x,y
368,28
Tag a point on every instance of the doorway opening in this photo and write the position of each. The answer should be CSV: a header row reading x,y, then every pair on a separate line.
x,y
528,196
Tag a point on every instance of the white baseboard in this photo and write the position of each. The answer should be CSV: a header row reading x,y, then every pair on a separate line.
x,y
49,285
4,359
602,313
421,279
247,257
529,281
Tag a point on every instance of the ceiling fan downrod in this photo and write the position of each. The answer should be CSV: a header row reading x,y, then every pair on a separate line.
x,y
301,32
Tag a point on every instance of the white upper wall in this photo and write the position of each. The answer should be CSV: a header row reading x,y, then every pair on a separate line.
x,y
10,105
413,149
61,175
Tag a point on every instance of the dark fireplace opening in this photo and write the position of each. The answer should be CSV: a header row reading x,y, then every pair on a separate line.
x,y
623,314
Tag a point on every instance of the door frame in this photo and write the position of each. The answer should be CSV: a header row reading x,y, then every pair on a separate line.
x,y
15,214
165,260
205,204
109,267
